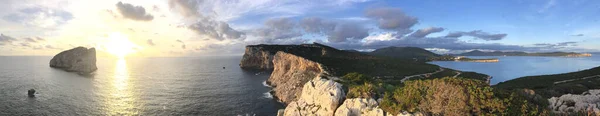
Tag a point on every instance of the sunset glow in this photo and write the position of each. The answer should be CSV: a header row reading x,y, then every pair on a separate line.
x,y
119,45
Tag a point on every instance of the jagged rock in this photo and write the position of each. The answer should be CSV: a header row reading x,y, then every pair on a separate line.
x,y
319,97
290,73
31,93
280,112
359,107
406,114
587,102
80,59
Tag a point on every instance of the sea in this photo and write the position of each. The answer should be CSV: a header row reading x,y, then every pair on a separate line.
x,y
510,67
205,86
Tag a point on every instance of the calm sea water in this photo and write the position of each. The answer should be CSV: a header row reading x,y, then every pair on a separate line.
x,y
144,86
511,67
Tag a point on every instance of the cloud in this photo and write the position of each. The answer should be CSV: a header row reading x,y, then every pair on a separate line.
x,y
478,34
316,25
187,8
557,45
228,10
391,19
215,29
277,29
150,42
204,25
579,35
39,16
347,31
6,39
287,30
53,47
426,31
133,12
182,44
31,40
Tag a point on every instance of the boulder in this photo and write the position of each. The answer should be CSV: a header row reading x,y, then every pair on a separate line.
x,y
319,97
359,107
587,102
79,59
31,93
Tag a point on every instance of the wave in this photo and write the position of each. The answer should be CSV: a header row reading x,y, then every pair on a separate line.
x,y
265,84
268,95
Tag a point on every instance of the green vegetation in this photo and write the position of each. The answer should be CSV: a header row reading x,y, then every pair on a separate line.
x,y
444,96
558,84
412,53
457,96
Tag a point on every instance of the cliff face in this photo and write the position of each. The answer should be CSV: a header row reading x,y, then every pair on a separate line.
x,y
257,58
260,56
80,59
290,73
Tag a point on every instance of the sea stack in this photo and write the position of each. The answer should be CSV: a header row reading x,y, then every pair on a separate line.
x,y
31,93
80,59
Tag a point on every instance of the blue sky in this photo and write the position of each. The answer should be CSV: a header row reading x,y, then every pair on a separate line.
x,y
205,27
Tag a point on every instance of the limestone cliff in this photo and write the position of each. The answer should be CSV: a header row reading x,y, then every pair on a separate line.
x,y
261,56
80,59
290,73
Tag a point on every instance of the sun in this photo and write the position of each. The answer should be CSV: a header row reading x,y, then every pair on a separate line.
x,y
119,45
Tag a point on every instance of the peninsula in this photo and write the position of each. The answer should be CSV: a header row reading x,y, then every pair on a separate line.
x,y
500,53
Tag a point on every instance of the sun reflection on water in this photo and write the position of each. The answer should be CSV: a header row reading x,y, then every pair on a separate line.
x,y
121,100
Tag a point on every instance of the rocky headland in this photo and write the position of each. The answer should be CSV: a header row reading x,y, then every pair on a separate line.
x,y
314,79
80,59
306,78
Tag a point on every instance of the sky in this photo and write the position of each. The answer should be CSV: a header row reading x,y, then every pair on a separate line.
x,y
183,28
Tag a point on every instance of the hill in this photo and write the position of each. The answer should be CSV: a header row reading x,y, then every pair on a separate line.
x,y
557,84
404,52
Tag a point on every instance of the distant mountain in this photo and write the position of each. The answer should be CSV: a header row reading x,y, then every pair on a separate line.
x,y
500,53
404,52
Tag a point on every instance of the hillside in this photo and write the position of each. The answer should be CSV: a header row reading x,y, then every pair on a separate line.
x,y
518,53
557,84
404,52
340,62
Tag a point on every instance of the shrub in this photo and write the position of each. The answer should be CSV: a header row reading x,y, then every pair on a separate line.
x,y
445,96
355,78
365,90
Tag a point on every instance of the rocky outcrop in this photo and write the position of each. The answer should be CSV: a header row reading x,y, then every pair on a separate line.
x,y
290,73
31,93
80,59
319,97
359,107
587,102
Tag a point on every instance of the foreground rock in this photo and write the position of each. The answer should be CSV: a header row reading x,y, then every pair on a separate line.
x,y
588,102
80,60
359,107
319,97
290,74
